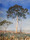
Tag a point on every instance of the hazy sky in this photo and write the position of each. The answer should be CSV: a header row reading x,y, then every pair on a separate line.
x,y
5,4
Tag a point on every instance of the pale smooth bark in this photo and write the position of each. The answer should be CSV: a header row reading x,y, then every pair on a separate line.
x,y
17,25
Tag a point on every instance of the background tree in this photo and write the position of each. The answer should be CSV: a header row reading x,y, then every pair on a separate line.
x,y
5,22
17,11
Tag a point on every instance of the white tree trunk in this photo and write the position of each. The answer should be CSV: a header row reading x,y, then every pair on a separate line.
x,y
21,26
17,25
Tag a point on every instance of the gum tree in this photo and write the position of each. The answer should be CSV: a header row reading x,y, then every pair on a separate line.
x,y
17,11
5,22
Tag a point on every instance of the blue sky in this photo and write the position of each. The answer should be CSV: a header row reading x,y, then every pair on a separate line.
x,y
5,4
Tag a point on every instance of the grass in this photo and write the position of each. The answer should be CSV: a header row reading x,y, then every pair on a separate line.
x,y
16,35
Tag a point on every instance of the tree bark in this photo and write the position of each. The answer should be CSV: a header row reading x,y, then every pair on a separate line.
x,y
17,25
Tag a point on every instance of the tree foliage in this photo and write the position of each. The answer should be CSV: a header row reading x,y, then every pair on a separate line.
x,y
5,21
17,10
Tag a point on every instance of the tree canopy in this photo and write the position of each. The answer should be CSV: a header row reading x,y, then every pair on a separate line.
x,y
5,21
17,10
